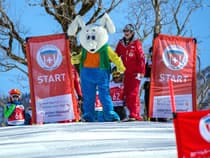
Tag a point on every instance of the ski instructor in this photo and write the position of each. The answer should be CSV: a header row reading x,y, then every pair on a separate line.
x,y
132,55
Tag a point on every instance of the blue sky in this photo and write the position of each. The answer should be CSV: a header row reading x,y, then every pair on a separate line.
x,y
38,23
201,31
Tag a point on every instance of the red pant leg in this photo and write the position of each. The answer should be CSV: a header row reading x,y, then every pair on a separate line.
x,y
131,92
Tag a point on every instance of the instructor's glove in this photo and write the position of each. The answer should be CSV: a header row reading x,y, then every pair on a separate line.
x,y
139,76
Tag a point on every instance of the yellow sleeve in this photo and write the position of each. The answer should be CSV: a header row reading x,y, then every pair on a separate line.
x,y
116,60
75,59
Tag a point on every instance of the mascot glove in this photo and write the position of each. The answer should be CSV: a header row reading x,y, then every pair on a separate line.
x,y
139,76
75,59
121,69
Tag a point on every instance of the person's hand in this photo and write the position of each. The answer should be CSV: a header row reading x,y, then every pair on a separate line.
x,y
121,69
139,76
80,100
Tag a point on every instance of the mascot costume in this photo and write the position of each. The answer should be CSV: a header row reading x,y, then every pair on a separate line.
x,y
95,66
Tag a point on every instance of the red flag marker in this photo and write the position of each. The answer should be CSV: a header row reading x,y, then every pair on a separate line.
x,y
171,90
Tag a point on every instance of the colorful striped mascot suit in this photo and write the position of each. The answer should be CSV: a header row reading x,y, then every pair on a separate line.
x,y
95,65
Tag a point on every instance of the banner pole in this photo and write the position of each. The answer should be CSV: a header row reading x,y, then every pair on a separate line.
x,y
173,105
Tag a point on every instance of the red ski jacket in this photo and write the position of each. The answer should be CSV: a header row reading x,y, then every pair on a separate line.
x,y
132,56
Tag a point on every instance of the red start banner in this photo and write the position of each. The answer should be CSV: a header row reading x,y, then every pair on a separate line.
x,y
51,84
192,131
173,58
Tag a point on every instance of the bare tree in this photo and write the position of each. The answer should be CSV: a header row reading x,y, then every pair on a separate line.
x,y
152,17
10,37
63,11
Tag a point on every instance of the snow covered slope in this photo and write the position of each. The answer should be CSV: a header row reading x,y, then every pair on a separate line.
x,y
89,140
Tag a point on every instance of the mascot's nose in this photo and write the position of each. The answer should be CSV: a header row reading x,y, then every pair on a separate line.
x,y
92,46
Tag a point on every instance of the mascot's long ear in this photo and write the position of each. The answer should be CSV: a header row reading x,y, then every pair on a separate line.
x,y
76,23
107,23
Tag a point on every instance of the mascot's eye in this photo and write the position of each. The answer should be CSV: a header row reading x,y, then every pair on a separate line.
x,y
88,37
93,37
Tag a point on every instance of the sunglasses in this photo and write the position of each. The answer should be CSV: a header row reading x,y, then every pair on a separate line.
x,y
15,96
126,30
116,77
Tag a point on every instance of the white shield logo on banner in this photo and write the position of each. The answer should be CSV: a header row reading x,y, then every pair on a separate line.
x,y
49,57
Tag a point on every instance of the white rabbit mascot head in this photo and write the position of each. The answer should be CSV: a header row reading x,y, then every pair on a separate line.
x,y
92,37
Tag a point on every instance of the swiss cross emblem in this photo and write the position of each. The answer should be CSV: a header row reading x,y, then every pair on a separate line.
x,y
49,57
175,57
